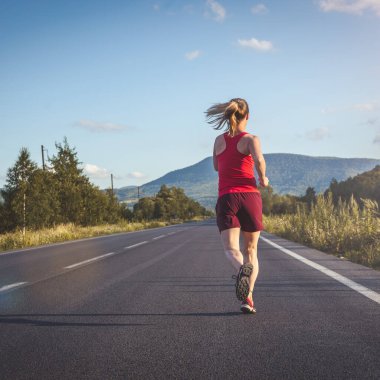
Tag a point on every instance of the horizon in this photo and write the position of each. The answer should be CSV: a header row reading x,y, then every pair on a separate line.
x,y
210,157
128,83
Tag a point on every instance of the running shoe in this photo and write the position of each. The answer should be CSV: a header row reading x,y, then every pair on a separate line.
x,y
248,307
242,281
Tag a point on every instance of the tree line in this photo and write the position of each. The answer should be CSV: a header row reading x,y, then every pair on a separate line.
x,y
36,198
276,204
363,186
169,203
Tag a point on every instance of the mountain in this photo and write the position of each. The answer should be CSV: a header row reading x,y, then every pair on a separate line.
x,y
288,174
293,173
363,186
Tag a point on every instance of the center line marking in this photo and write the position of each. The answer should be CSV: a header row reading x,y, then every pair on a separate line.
x,y
10,286
159,237
89,260
328,272
135,245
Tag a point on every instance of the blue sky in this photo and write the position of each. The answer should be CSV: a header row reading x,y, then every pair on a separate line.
x,y
127,82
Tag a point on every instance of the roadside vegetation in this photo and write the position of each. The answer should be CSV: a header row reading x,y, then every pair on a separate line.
x,y
343,229
58,203
65,232
340,221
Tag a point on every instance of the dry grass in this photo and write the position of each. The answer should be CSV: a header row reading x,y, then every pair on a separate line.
x,y
344,230
67,232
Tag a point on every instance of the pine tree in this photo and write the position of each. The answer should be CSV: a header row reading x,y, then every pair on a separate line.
x,y
310,197
69,177
44,203
17,190
80,201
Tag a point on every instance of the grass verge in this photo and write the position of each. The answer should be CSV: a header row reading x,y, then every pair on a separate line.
x,y
66,232
344,229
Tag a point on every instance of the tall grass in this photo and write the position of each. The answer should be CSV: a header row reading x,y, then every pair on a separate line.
x,y
344,229
70,231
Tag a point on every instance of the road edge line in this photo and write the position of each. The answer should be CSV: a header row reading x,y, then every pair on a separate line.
x,y
371,294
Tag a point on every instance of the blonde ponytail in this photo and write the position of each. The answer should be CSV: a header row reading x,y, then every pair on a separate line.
x,y
227,115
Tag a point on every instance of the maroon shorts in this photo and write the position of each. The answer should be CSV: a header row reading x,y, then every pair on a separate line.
x,y
243,210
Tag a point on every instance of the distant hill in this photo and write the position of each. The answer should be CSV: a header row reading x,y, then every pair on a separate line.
x,y
365,185
288,174
293,173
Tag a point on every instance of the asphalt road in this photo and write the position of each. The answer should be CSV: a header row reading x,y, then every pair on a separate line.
x,y
160,304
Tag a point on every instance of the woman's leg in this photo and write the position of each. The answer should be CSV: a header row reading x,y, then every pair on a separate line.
x,y
230,240
250,255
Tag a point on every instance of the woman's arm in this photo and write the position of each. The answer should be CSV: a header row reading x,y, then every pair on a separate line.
x,y
215,161
256,153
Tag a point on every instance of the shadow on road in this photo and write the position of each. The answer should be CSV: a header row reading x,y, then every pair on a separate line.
x,y
28,319
34,322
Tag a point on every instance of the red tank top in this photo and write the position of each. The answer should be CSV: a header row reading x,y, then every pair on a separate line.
x,y
236,170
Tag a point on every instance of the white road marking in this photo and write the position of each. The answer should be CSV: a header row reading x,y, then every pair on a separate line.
x,y
172,233
374,296
102,256
159,237
132,271
10,286
89,260
135,245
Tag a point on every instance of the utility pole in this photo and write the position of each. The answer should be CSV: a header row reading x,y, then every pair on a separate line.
x,y
43,157
138,192
112,183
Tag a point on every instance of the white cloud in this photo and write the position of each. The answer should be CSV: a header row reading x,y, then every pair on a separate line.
x,y
363,107
372,106
317,134
94,171
350,6
136,175
253,43
259,8
217,9
95,126
191,55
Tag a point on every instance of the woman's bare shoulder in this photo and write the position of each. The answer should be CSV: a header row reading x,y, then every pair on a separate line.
x,y
251,138
249,144
219,138
219,145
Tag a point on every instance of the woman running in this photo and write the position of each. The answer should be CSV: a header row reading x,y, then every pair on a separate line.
x,y
239,205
